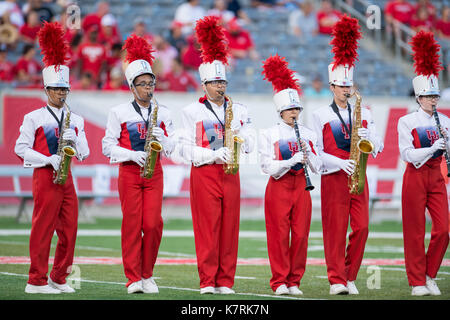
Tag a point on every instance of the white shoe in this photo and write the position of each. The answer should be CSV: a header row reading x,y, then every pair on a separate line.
x,y
352,287
41,289
149,285
432,287
64,288
224,290
135,287
207,290
294,290
420,291
338,289
282,290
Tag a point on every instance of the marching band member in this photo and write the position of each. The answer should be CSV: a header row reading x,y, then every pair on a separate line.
x,y
421,145
43,134
287,202
214,194
333,127
130,128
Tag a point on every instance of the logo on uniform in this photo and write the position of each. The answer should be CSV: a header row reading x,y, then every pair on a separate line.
x,y
432,136
218,70
218,130
293,147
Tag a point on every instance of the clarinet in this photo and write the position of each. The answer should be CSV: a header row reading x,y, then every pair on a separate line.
x,y
309,185
438,125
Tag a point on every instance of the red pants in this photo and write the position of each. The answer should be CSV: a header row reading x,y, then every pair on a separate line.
x,y
287,210
142,224
55,208
424,188
338,206
215,206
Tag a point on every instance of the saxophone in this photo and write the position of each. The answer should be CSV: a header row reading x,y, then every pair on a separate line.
x,y
152,147
359,151
231,141
66,150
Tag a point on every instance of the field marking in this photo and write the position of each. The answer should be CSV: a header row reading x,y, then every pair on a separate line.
x,y
193,261
174,288
190,233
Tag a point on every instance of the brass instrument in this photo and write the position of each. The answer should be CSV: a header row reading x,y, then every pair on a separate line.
x,y
152,147
231,141
359,151
66,150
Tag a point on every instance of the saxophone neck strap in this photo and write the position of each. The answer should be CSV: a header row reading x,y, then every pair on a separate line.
x,y
336,110
59,121
138,110
209,107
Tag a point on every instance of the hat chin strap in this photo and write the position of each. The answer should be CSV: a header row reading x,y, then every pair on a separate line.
x,y
138,95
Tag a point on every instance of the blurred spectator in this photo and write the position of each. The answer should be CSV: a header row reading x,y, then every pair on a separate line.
x,y
14,12
317,89
116,80
235,7
191,56
431,9
74,44
263,4
422,20
178,79
187,14
29,30
240,42
398,11
6,67
140,29
95,18
290,5
86,82
327,16
114,58
443,24
303,21
109,32
43,10
176,38
220,10
164,52
92,55
27,69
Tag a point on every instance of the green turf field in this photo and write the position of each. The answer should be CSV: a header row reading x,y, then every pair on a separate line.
x,y
180,282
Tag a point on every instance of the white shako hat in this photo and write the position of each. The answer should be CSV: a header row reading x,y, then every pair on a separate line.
x,y
55,49
346,33
214,49
139,58
426,63
275,70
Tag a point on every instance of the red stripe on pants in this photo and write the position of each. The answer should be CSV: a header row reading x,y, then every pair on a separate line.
x,y
287,211
142,224
424,188
338,207
215,206
55,208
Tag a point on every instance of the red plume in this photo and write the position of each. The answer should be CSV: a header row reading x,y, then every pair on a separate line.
x,y
211,37
275,70
138,49
425,52
346,33
54,47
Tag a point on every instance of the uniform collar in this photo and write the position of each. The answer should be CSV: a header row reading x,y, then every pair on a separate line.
x,y
424,114
285,126
55,110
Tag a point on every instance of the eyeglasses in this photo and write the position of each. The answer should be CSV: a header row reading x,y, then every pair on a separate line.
x,y
60,89
146,84
217,83
432,97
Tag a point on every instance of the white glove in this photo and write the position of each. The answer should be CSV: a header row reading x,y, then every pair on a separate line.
x,y
299,157
363,133
223,154
54,160
438,145
305,146
158,133
70,135
347,165
139,157
235,125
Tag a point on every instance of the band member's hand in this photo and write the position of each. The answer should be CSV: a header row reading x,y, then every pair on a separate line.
x,y
444,133
235,125
158,133
138,157
348,166
305,146
299,157
54,160
223,154
438,145
70,135
363,133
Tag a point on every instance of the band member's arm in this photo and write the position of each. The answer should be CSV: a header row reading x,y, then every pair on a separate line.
x,y
166,136
407,151
81,143
314,161
373,135
245,131
270,166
